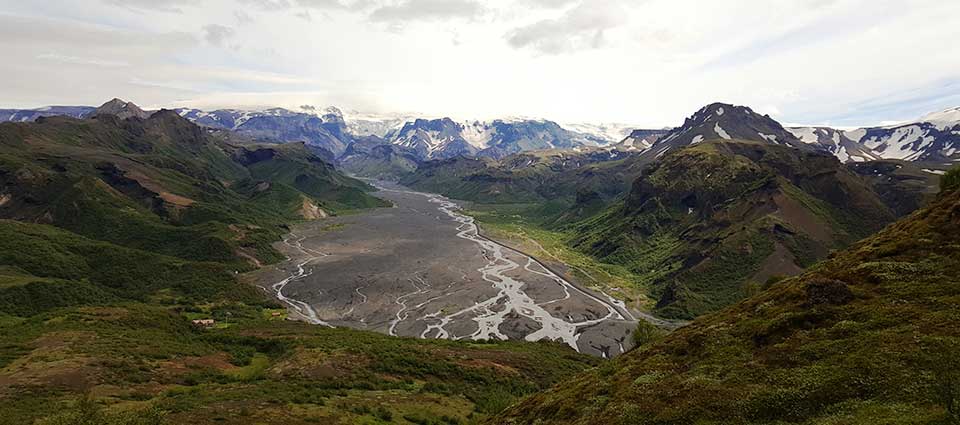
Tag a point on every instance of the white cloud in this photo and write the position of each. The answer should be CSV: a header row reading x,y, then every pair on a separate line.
x,y
583,27
427,10
174,6
217,34
650,62
77,60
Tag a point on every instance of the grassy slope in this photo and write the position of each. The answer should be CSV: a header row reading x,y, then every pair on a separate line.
x,y
702,224
259,369
540,176
868,336
165,186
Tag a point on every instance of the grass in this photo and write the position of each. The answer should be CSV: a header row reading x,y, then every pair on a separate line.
x,y
868,336
513,225
153,354
163,185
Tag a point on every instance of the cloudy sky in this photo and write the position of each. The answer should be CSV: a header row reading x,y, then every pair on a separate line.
x,y
645,62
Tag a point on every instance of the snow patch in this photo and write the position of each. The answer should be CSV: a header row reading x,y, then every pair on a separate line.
x,y
937,172
856,135
720,132
696,139
805,134
842,154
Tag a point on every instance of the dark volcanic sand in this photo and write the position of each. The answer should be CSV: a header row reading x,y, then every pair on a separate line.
x,y
405,271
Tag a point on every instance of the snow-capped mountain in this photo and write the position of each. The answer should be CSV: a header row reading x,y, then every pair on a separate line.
x,y
922,141
603,133
641,140
724,121
934,137
445,138
433,139
326,129
379,125
836,142
30,115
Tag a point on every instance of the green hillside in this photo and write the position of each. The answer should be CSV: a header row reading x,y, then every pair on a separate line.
x,y
529,177
164,185
706,225
869,336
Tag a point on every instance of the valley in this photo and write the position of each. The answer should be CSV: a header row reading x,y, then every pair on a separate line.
x,y
156,271
422,269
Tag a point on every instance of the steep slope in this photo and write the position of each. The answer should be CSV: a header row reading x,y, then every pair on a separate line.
x,y
869,336
372,157
164,185
903,186
705,224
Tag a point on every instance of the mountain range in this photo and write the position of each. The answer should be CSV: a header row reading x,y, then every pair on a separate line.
x,y
932,138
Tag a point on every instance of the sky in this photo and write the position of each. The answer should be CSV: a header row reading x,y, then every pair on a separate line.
x,y
645,62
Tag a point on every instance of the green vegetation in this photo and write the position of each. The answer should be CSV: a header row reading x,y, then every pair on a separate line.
x,y
137,356
951,180
868,336
702,228
705,221
164,185
529,177
646,334
522,226
145,226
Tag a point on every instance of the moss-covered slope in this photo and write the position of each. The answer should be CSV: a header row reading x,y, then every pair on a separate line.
x,y
869,336
707,225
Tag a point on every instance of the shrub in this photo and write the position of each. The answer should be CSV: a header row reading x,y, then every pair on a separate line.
x,y
87,412
951,180
646,333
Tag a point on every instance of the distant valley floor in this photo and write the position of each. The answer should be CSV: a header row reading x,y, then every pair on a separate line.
x,y
420,269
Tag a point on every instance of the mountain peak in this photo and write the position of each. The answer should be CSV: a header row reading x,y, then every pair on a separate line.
x,y
725,121
121,109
